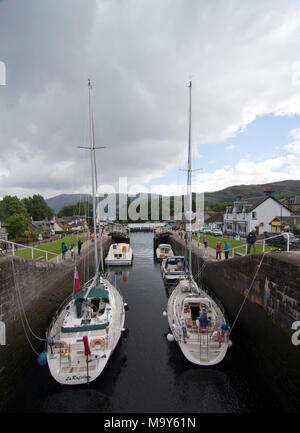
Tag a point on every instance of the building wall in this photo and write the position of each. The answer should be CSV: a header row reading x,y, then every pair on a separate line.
x,y
265,212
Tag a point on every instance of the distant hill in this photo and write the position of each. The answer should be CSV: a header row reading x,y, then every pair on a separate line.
x,y
287,188
59,201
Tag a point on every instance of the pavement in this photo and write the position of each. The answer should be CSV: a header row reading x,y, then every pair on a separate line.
x,y
198,247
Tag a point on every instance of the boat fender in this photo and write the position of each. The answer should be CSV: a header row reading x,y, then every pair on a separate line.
x,y
126,307
229,343
170,337
125,332
42,359
87,350
97,341
63,346
165,313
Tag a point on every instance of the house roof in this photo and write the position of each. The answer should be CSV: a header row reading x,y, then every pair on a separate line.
x,y
255,202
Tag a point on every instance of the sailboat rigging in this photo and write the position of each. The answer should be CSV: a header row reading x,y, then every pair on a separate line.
x,y
197,323
84,334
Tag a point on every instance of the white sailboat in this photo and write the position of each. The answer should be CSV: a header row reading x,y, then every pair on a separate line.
x,y
84,334
119,254
195,320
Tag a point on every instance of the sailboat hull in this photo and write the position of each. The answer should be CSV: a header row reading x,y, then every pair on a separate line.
x,y
201,345
67,361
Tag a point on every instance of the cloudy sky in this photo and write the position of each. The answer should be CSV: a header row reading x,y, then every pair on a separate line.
x,y
244,61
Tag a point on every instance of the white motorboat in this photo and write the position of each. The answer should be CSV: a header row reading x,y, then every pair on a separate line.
x,y
196,322
163,251
172,269
119,254
86,330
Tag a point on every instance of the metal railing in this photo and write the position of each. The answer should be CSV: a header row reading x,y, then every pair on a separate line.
x,y
277,236
15,248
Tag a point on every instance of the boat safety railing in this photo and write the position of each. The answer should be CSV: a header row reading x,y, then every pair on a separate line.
x,y
14,247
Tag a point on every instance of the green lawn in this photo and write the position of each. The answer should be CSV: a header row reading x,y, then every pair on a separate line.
x,y
212,242
53,247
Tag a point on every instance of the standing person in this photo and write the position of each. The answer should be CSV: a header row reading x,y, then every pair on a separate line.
x,y
72,253
199,237
226,249
205,241
64,249
251,239
79,244
218,250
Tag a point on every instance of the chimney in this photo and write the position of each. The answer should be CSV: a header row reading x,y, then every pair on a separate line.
x,y
268,192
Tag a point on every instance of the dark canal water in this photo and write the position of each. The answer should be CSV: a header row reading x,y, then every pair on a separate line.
x,y
146,373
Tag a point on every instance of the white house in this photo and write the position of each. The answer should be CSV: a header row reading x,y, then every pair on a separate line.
x,y
247,215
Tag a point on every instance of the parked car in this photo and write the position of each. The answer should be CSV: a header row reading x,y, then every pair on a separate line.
x,y
205,230
281,241
216,232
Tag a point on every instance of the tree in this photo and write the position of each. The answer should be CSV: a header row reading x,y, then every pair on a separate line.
x,y
11,205
17,225
37,208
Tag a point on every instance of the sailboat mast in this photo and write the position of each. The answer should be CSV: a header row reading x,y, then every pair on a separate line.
x,y
93,167
189,181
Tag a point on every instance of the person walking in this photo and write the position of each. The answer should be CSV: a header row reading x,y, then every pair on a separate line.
x,y
72,253
218,250
79,245
251,239
226,249
64,249
205,241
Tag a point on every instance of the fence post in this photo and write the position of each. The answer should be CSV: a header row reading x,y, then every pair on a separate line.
x,y
32,253
264,244
13,248
288,243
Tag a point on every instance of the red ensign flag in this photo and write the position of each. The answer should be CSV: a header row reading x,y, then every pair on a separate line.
x,y
76,281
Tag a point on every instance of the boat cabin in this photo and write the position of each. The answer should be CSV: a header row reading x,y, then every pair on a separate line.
x,y
174,264
198,312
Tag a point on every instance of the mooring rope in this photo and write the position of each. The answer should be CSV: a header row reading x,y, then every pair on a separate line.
x,y
21,307
243,303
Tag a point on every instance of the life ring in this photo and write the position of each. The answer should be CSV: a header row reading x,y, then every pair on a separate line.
x,y
97,340
65,346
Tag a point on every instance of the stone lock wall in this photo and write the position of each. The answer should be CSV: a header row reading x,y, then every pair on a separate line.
x,y
264,327
43,287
